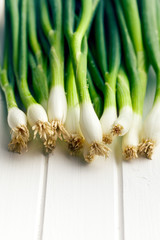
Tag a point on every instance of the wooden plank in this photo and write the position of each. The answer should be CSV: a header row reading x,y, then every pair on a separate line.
x,y
142,199
81,199
22,188
141,191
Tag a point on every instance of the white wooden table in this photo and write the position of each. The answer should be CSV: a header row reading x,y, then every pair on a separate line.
x,y
62,198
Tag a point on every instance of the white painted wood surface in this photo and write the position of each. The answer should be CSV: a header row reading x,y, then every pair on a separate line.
x,y
63,198
141,190
81,199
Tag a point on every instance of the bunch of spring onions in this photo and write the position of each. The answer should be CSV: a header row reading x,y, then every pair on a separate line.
x,y
79,71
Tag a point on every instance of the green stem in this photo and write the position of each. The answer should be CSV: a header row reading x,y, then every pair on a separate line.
x,y
94,8
114,52
45,21
72,95
23,41
131,63
109,90
6,41
94,5
114,42
81,74
123,89
23,88
8,90
157,95
158,17
56,8
131,12
100,41
43,41
14,18
85,18
56,68
55,38
39,80
69,9
95,74
78,47
95,97
150,32
25,94
32,34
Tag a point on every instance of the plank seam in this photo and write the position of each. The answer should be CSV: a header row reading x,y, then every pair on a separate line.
x,y
119,204
42,201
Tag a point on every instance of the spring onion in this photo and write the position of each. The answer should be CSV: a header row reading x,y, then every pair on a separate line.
x,y
123,123
151,126
94,72
77,41
36,60
81,73
135,61
36,114
57,103
17,119
109,72
75,140
95,97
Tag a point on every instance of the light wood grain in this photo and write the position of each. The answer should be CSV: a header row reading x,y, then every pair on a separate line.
x,y
141,188
81,199
141,184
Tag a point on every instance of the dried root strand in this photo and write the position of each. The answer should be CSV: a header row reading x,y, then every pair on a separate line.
x,y
43,129
59,130
96,149
117,130
20,138
75,143
107,138
130,152
146,148
45,132
50,144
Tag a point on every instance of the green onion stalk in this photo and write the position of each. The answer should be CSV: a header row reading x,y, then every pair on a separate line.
x,y
94,72
57,103
36,114
95,96
76,139
123,123
36,59
109,69
77,41
37,64
158,16
151,127
135,60
17,120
